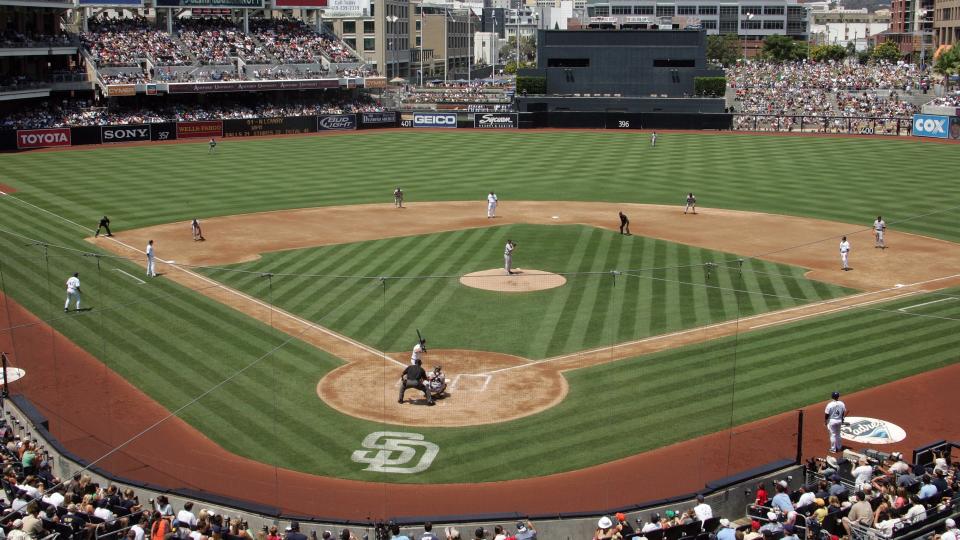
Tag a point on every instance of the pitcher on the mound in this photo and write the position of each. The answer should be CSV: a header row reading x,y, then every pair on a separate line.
x,y
508,256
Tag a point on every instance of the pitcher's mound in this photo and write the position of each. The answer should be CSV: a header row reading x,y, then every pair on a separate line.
x,y
496,279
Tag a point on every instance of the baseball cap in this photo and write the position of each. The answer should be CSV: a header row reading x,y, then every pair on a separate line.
x,y
950,523
521,526
479,532
670,513
835,395
621,516
819,501
724,522
604,523
17,523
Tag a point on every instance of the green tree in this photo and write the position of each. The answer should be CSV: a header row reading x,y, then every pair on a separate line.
x,y
511,66
528,49
825,53
887,51
724,49
783,49
947,63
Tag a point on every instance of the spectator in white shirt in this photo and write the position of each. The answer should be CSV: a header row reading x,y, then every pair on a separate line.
x,y
702,509
186,517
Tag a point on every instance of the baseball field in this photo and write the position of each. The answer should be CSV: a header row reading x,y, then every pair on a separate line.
x,y
281,337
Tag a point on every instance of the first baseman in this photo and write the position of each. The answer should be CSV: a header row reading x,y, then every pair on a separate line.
x,y
197,231
833,417
491,205
844,253
151,269
418,350
398,197
508,256
879,226
73,291
104,224
691,203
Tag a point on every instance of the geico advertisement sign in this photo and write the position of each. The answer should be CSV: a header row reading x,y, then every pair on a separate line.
x,y
925,125
444,120
336,122
115,134
495,121
40,138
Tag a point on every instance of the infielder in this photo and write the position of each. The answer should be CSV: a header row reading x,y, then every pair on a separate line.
x,y
833,417
104,224
418,350
491,205
73,292
653,140
624,224
691,203
844,253
213,145
197,231
151,269
879,226
398,198
508,256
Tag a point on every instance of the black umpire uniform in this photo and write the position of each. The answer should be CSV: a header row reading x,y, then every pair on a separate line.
x,y
414,377
104,224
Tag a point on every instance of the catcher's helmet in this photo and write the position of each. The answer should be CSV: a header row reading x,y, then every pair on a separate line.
x,y
835,395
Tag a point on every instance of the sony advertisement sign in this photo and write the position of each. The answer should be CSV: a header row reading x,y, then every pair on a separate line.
x,y
495,120
435,120
116,134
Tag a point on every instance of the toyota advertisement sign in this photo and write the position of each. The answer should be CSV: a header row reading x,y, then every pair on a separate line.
x,y
434,120
42,138
495,120
929,125
118,134
336,122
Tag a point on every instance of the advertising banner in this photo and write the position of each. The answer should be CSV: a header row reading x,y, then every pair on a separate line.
x,y
336,122
495,120
42,138
210,3
300,3
124,3
378,119
253,127
434,120
347,8
955,127
166,131
250,86
200,130
928,125
375,82
117,134
114,90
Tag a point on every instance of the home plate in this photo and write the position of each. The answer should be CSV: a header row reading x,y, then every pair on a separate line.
x,y
555,217
898,285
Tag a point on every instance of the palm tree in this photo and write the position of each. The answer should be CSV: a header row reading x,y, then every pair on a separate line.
x,y
947,63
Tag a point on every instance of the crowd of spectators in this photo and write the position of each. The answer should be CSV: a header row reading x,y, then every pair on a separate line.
x,y
293,42
84,113
13,39
831,97
949,100
123,42
456,92
215,40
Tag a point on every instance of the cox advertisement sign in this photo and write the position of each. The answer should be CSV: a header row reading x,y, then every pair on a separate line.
x,y
41,138
928,125
336,122
435,120
495,120
115,134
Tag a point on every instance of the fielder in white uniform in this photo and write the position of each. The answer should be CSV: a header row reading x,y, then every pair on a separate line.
x,y
508,256
691,203
491,205
151,269
653,139
833,417
879,226
844,253
73,291
418,350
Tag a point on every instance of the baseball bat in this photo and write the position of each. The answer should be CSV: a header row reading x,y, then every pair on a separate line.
x,y
420,338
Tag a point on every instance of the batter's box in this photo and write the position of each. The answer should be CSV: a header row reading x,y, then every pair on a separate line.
x,y
470,383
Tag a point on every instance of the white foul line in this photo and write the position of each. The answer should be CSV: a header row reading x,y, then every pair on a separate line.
x,y
834,310
904,309
131,275
309,324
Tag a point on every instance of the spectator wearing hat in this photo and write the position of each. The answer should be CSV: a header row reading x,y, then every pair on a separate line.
x,y
951,532
820,511
782,500
702,509
862,473
525,530
754,532
790,532
293,532
773,528
726,531
606,530
479,533
16,531
623,524
837,489
861,513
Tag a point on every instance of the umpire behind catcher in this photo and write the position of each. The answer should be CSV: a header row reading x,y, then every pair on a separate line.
x,y
414,377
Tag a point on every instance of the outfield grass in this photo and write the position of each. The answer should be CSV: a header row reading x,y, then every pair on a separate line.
x,y
593,309
174,344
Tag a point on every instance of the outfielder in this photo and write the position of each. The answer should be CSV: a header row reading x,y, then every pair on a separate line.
x,y
653,139
73,291
418,350
879,226
691,203
151,269
508,256
833,417
844,253
491,205
213,145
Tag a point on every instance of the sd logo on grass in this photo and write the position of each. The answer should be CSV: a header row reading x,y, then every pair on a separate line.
x,y
396,452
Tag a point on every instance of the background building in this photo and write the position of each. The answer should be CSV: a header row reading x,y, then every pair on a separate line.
x,y
946,22
842,26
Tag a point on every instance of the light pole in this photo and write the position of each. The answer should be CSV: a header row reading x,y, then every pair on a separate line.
x,y
469,46
420,37
391,43
749,18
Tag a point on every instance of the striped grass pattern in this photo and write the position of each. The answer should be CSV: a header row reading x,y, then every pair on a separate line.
x,y
663,287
